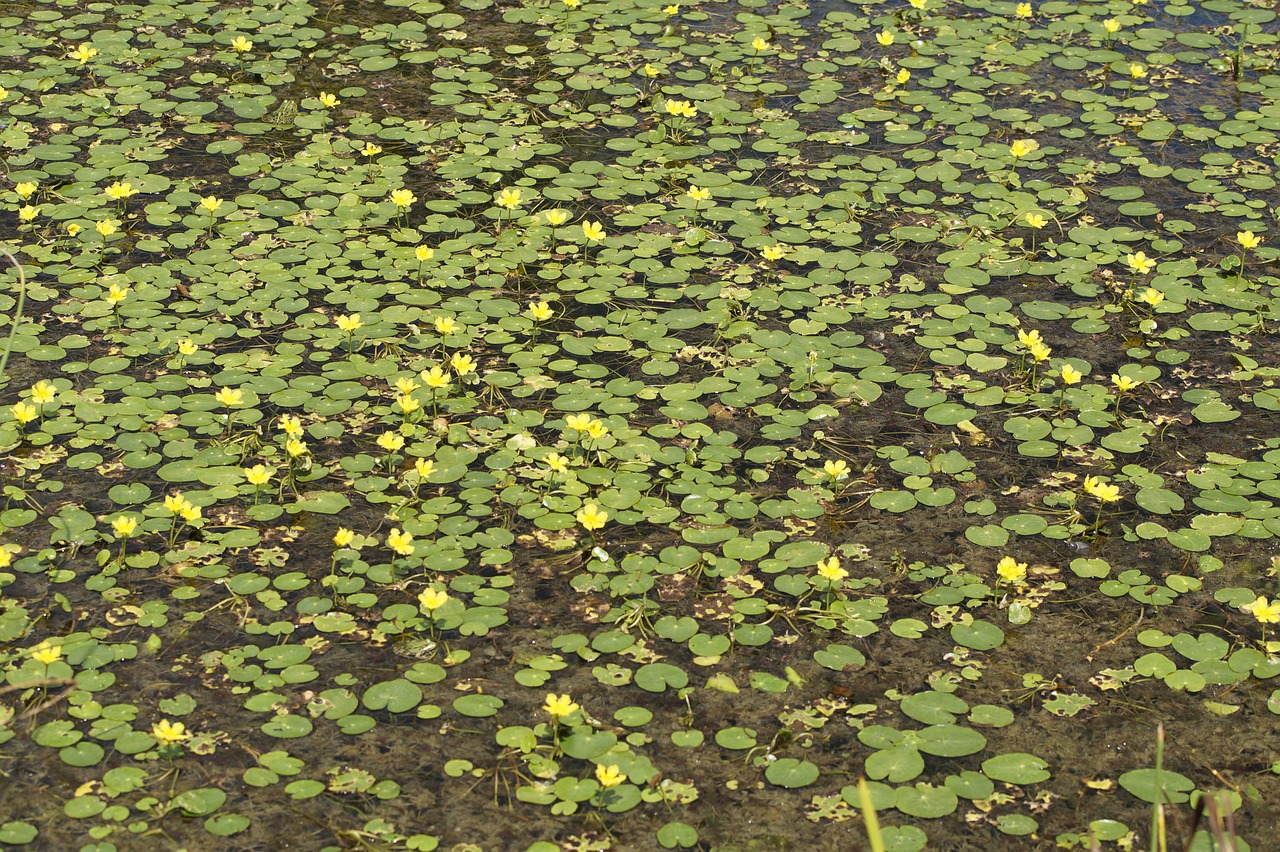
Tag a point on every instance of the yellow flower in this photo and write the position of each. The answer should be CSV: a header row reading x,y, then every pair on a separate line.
x,y
1140,263
189,511
348,323
116,294
674,107
391,441
758,44
6,557
435,378
400,542
1124,383
593,231
557,217
28,212
509,198
124,526
609,776
46,654
424,468
1040,352
1248,240
837,469
240,44
1010,570
1070,375
1022,147
918,4
462,364
580,422
885,37
371,150
424,253
775,252
174,503
230,397
1137,70
1029,338
24,413
698,193
591,516
1105,492
1035,220
327,100
1152,296
557,462
650,70
406,385
84,53
403,198
1265,613
291,426
445,325
259,474
211,203
673,9
343,537
169,733
118,190
431,599
407,404
26,189
559,706
1023,11
903,76
572,4
43,392
540,311
830,570
597,430
73,229
1111,25
295,448
106,227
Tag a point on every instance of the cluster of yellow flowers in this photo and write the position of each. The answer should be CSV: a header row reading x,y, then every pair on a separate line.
x,y
1103,491
683,109
1037,348
182,508
585,423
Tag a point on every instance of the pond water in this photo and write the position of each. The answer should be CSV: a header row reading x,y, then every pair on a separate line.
x,y
620,425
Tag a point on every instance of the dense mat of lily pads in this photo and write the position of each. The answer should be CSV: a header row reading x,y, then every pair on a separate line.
x,y
604,424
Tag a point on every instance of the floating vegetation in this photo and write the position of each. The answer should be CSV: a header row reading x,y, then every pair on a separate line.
x,y
588,424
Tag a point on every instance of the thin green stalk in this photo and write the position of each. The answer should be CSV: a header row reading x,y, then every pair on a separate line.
x,y
1158,842
869,817
17,311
